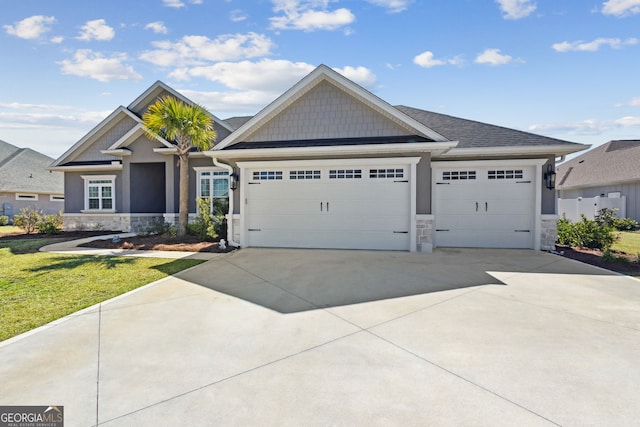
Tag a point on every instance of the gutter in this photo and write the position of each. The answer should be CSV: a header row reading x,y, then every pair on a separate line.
x,y
231,197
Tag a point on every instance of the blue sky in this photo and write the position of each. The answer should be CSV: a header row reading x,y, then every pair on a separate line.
x,y
562,68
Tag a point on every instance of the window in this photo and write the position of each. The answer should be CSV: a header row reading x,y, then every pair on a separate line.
x,y
345,173
267,175
313,174
29,197
505,174
53,198
386,173
99,193
213,185
458,175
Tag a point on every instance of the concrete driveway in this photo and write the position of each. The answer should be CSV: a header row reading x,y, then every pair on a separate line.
x,y
318,337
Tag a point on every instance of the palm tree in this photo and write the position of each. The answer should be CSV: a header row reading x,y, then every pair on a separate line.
x,y
189,126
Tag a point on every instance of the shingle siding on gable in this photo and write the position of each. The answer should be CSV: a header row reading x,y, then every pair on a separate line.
x,y
326,112
106,140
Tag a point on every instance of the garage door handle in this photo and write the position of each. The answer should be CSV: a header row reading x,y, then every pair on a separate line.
x,y
400,232
442,229
327,206
255,229
523,182
486,206
320,206
406,180
476,206
522,231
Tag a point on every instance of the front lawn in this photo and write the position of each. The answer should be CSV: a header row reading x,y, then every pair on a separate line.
x,y
37,288
629,242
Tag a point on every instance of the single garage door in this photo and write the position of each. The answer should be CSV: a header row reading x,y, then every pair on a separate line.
x,y
342,207
484,207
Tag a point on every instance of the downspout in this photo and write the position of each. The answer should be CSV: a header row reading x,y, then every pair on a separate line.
x,y
230,213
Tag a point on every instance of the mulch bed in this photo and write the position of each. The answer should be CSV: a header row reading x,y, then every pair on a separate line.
x,y
160,243
629,267
65,235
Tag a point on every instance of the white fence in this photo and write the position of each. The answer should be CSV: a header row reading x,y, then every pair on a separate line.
x,y
589,207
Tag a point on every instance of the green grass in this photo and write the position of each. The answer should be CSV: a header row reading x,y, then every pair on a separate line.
x,y
9,229
629,242
37,288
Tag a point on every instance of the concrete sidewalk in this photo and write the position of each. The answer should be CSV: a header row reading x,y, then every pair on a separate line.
x,y
318,337
72,247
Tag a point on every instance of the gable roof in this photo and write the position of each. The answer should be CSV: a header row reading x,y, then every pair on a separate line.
x,y
473,136
613,162
25,170
322,73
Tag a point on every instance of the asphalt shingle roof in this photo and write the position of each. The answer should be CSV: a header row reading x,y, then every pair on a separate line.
x,y
24,170
615,161
472,134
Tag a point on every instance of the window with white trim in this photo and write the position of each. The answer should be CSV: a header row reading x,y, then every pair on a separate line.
x,y
26,196
99,192
458,175
306,174
213,185
267,175
505,174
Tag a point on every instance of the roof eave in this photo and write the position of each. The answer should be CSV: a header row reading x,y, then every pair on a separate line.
x,y
598,184
555,150
115,166
341,150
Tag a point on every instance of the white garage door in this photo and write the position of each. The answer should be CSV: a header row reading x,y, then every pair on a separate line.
x,y
342,207
484,207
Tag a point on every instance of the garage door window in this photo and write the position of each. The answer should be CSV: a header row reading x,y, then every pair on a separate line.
x,y
267,175
309,174
505,174
345,173
386,173
458,175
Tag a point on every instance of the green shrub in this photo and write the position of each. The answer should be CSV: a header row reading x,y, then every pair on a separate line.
x,y
27,219
4,220
625,224
204,225
50,224
609,217
596,234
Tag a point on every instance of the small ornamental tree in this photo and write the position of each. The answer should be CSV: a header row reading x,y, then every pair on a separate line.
x,y
188,126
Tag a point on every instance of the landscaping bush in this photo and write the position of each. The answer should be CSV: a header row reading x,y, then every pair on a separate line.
x,y
625,224
204,225
31,220
4,220
609,217
596,234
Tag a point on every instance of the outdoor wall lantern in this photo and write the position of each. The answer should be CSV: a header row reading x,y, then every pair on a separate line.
x,y
233,181
550,177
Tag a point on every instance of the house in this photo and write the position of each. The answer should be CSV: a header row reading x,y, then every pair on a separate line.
x,y
25,181
327,165
611,170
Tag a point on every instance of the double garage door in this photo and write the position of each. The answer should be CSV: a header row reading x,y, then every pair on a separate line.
x,y
361,206
487,207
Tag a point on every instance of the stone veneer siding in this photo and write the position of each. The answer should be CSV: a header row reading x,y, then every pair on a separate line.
x,y
424,233
134,223
548,232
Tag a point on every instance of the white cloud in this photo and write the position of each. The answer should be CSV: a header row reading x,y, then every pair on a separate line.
x,y
96,30
493,57
195,50
157,27
178,4
238,15
57,39
426,60
516,9
23,106
621,7
87,63
256,84
633,102
587,127
593,46
31,28
394,6
309,15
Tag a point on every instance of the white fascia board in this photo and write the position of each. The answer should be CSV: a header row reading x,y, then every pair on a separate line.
x,y
93,132
435,164
174,152
88,168
415,147
330,162
549,150
120,152
320,74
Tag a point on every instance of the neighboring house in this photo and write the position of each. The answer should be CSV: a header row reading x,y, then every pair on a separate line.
x,y
611,170
26,181
326,165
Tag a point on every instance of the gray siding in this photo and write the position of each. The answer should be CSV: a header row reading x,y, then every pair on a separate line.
x,y
423,187
549,206
117,130
326,112
43,204
147,187
631,191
